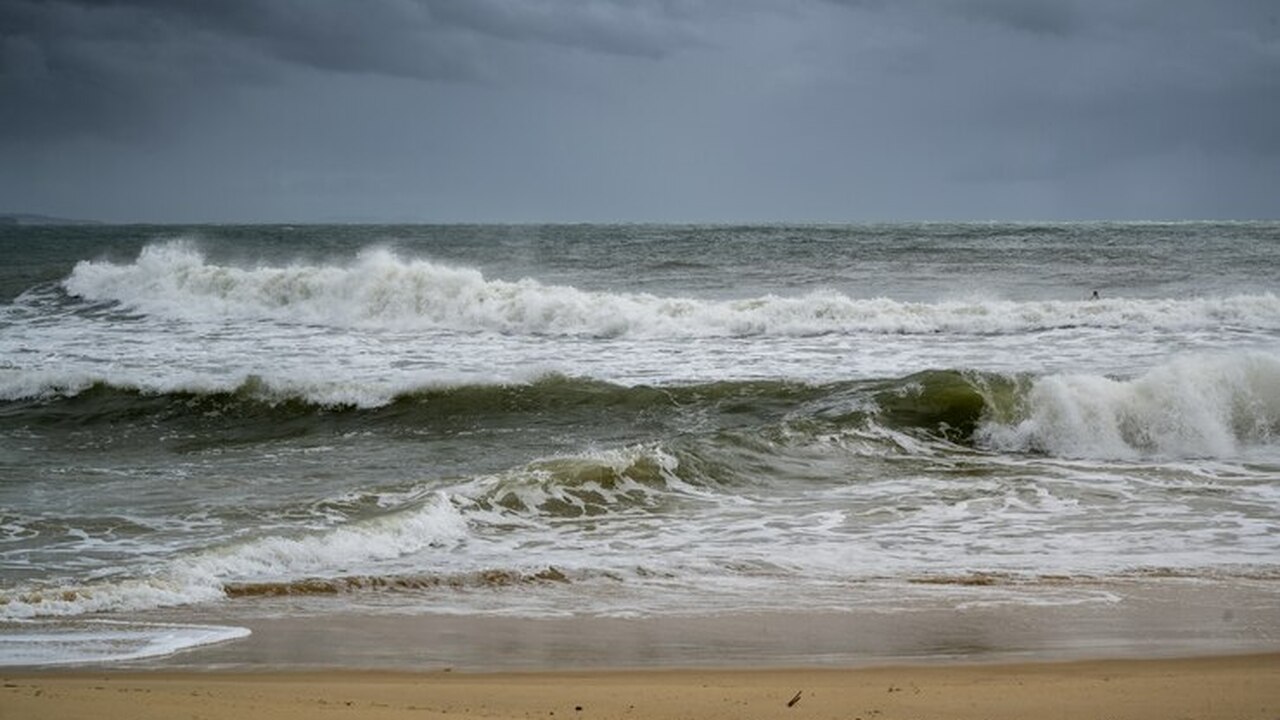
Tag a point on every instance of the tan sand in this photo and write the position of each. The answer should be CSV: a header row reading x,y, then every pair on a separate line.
x,y
1234,687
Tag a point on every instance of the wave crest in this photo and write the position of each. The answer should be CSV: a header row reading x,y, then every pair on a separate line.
x,y
1207,405
589,484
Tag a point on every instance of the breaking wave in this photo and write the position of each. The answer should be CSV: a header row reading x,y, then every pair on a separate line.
x,y
1206,405
340,559
378,288
1196,406
205,576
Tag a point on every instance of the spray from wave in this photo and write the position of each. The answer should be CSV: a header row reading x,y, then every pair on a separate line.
x,y
1196,406
380,289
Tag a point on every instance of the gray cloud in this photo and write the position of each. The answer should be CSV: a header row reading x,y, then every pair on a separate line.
x,y
1071,85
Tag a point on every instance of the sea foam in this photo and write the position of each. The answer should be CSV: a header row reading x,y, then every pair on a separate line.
x,y
98,641
381,289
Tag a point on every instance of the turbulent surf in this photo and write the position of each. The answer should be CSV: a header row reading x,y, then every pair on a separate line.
x,y
207,423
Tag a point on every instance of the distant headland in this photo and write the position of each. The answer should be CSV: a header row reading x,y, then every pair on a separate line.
x,y
34,219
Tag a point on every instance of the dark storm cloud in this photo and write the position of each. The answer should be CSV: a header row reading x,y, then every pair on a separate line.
x,y
646,110
109,65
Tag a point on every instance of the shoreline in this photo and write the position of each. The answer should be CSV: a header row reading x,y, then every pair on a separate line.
x,y
1156,651
1136,619
1239,687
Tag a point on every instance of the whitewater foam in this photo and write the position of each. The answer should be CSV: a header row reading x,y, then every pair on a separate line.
x,y
102,641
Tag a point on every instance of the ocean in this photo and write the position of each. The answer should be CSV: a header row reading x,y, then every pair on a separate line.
x,y
204,425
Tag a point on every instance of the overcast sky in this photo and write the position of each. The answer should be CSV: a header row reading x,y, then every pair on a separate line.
x,y
649,110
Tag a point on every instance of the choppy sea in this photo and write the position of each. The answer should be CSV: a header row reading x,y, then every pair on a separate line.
x,y
623,421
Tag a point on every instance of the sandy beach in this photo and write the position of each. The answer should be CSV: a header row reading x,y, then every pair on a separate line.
x,y
1235,687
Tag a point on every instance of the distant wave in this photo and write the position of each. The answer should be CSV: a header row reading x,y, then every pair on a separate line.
x,y
381,289
101,396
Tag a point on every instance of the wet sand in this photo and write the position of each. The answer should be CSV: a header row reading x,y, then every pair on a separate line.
x,y
1236,687
1148,620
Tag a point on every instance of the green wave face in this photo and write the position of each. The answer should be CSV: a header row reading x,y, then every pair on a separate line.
x,y
558,447
945,404
551,432
948,403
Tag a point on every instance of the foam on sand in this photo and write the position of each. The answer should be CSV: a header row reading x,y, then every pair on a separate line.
x,y
97,641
